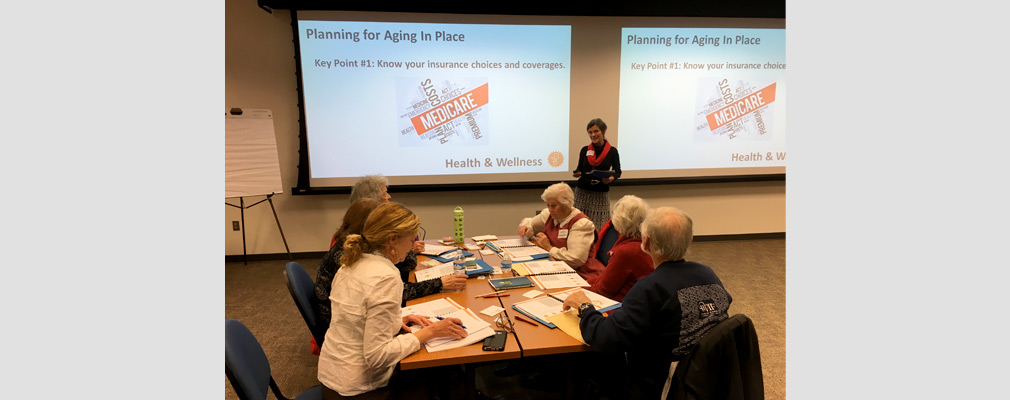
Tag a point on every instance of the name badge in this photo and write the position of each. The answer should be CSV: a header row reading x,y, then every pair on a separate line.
x,y
563,234
591,152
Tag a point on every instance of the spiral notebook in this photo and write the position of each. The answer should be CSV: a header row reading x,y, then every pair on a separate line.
x,y
543,308
550,274
476,328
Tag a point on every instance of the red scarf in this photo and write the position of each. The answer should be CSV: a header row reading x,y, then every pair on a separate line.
x,y
596,159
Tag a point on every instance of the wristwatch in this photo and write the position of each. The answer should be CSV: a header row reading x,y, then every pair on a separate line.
x,y
583,307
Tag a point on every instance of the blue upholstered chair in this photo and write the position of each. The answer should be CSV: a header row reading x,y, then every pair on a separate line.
x,y
606,243
302,287
247,367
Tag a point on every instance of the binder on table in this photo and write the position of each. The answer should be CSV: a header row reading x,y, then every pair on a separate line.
x,y
510,283
543,308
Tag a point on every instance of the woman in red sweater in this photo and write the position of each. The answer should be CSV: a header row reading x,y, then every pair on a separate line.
x,y
628,263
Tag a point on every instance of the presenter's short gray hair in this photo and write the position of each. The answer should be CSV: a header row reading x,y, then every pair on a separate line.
x,y
561,192
670,232
369,186
629,212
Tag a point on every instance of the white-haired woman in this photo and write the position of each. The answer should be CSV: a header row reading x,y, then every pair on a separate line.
x,y
628,263
373,186
564,231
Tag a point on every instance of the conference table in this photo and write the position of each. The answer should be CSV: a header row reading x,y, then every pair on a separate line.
x,y
527,340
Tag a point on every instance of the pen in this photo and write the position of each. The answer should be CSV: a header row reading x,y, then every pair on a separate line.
x,y
460,325
488,294
525,320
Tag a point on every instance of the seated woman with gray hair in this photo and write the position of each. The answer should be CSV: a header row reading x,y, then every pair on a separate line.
x,y
628,263
377,187
371,186
564,231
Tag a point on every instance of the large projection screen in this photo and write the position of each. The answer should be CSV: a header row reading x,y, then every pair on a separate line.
x,y
445,100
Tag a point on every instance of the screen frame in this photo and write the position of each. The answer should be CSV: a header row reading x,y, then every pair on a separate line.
x,y
304,187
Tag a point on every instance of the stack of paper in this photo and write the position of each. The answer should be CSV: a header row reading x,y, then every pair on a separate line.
x,y
526,253
503,243
434,272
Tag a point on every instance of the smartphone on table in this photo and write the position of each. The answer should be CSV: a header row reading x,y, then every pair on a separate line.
x,y
495,342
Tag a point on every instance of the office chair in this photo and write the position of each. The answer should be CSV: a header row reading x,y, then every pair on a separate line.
x,y
247,367
302,288
724,364
607,241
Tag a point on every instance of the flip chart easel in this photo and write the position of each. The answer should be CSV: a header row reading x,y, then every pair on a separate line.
x,y
252,167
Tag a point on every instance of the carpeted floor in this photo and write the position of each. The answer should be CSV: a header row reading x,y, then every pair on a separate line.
x,y
753,272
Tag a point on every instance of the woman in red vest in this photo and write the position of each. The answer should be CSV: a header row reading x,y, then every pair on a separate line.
x,y
564,231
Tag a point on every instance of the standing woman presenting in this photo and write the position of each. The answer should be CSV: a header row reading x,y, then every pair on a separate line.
x,y
592,193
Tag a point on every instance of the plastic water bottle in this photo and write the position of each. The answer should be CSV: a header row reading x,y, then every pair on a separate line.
x,y
506,263
459,264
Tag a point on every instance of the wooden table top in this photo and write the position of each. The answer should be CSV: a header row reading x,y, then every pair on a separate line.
x,y
528,340
473,353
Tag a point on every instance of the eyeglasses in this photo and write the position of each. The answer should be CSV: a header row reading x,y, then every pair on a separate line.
x,y
504,323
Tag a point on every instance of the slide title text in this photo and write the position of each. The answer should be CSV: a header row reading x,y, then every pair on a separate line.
x,y
395,37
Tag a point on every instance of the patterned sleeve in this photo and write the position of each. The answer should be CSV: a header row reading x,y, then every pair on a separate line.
x,y
408,264
413,290
328,267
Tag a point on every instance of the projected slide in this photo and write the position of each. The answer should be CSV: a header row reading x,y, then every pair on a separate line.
x,y
702,98
408,99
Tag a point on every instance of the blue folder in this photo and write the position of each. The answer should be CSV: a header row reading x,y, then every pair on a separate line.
x,y
546,323
483,268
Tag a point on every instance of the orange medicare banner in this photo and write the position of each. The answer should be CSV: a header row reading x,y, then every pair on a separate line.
x,y
450,110
741,107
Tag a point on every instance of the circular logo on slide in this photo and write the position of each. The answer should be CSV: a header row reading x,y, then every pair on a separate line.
x,y
555,159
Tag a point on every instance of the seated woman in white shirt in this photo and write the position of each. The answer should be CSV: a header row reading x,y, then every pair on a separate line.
x,y
367,337
564,231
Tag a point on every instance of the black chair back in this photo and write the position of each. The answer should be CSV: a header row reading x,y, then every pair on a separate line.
x,y
725,364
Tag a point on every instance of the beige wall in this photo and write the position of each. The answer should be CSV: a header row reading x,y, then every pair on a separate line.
x,y
260,73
